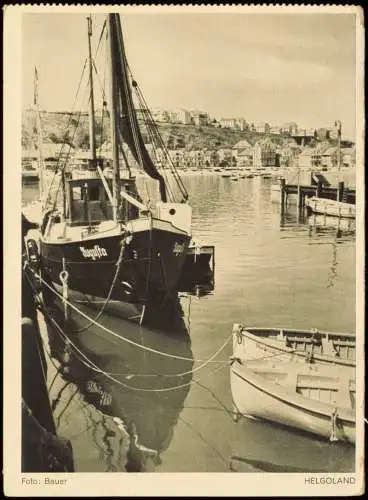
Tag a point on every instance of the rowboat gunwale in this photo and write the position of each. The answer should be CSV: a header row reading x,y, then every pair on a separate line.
x,y
250,333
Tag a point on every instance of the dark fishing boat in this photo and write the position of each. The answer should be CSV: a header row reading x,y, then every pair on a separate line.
x,y
101,240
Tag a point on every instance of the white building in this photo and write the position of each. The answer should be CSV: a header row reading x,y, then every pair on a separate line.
x,y
262,127
228,123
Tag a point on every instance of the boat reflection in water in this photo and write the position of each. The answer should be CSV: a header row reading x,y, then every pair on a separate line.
x,y
129,382
318,223
324,223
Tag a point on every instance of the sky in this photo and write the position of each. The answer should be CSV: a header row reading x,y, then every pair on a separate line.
x,y
263,67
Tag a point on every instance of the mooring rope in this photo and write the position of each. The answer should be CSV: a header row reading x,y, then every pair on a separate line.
x,y
108,330
94,367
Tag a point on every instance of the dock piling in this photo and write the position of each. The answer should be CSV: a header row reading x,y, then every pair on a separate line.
x,y
319,189
340,191
282,194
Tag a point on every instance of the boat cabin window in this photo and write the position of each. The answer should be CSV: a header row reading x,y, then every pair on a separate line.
x,y
91,209
93,193
77,193
97,207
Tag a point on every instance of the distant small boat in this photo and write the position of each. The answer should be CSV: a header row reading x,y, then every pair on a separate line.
x,y
29,171
330,207
225,175
29,175
250,176
316,398
234,178
286,344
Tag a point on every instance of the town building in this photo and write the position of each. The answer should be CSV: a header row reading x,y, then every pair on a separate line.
x,y
333,133
160,115
242,151
329,157
229,123
224,154
348,157
262,127
264,154
184,116
290,128
322,134
196,158
288,152
304,136
275,130
241,124
310,158
200,118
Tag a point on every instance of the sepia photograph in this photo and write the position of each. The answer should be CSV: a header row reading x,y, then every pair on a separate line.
x,y
186,186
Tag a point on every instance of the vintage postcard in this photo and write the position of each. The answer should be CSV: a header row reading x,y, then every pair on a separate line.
x,y
183,251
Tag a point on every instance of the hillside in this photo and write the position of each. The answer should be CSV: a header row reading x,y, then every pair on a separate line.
x,y
73,128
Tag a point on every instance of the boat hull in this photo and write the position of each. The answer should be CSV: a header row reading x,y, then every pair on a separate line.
x,y
150,264
255,397
330,207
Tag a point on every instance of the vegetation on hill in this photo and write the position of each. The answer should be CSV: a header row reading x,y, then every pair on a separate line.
x,y
73,128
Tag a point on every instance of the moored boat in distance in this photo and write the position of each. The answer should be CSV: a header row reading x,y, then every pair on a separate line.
x,y
29,171
316,398
330,207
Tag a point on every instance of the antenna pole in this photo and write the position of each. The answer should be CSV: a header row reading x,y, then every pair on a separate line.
x,y
92,134
39,137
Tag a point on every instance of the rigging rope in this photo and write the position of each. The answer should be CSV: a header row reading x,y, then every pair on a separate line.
x,y
154,128
66,130
155,135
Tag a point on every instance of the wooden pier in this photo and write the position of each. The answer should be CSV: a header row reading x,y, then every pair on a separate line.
x,y
319,188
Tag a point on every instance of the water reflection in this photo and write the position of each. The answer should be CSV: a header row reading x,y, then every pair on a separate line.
x,y
318,224
324,224
332,230
291,450
142,390
269,272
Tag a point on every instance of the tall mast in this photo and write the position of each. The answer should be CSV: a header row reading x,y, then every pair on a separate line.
x,y
39,137
91,97
113,115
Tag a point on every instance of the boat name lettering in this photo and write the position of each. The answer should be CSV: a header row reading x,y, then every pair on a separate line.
x,y
94,253
178,248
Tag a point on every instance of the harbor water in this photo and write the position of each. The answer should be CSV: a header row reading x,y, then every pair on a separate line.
x,y
128,408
